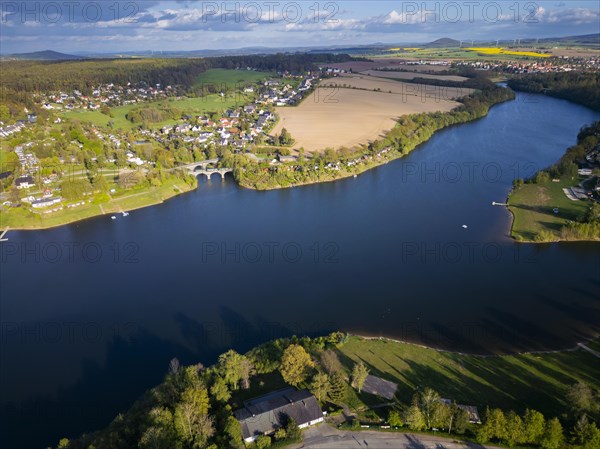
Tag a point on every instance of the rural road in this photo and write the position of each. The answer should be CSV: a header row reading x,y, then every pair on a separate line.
x,y
326,437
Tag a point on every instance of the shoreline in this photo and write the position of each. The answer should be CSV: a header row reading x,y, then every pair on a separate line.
x,y
511,234
154,202
470,354
395,156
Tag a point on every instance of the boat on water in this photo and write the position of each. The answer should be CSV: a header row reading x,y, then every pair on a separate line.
x,y
113,217
125,214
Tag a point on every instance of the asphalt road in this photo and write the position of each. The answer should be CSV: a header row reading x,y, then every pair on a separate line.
x,y
326,437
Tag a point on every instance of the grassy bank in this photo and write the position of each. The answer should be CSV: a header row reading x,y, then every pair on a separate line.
x,y
532,206
24,219
542,211
538,381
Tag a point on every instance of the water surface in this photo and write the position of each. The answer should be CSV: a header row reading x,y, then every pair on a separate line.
x,y
92,312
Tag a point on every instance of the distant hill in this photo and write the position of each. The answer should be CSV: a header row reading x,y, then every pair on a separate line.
x,y
443,43
46,55
587,39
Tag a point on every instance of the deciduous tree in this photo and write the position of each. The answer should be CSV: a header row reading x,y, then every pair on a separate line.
x,y
320,386
553,435
428,399
219,390
414,417
534,424
580,397
394,419
295,364
337,389
514,429
359,376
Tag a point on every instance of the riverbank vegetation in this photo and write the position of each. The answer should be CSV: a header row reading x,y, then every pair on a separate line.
x,y
554,395
546,209
409,132
579,87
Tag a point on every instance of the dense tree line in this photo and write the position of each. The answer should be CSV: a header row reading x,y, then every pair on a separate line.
x,y
582,88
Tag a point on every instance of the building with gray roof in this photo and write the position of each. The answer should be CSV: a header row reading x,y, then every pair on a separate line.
x,y
265,414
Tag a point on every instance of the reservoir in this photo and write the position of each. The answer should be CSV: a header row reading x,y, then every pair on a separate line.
x,y
91,313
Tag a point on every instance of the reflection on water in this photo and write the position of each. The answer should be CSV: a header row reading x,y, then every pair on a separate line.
x,y
93,312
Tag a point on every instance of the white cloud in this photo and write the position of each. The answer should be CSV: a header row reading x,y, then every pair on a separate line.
x,y
575,16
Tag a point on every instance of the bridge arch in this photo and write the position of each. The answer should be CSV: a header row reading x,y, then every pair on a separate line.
x,y
209,172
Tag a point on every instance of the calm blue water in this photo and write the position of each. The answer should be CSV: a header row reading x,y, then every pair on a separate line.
x,y
92,313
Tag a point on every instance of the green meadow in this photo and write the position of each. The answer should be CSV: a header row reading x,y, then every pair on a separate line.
x,y
516,382
199,105
231,78
532,206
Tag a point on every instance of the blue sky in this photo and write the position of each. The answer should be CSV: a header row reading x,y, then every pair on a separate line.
x,y
125,25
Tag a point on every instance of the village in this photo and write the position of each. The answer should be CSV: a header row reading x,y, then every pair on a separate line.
x,y
238,130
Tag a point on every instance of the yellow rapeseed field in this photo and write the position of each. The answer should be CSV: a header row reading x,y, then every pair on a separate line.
x,y
502,51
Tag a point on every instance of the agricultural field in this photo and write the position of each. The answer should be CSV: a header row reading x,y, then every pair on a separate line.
x,y
393,86
419,68
412,75
492,51
231,78
473,53
575,52
333,117
532,207
429,53
389,63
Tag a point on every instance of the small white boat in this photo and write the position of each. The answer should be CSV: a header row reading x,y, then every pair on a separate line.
x,y
125,214
464,226
356,176
113,218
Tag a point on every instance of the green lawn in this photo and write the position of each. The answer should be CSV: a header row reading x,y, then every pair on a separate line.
x,y
22,218
209,103
231,78
532,206
509,382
